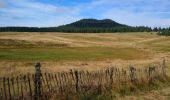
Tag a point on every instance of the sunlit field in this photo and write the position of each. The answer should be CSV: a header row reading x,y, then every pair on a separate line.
x,y
58,52
62,51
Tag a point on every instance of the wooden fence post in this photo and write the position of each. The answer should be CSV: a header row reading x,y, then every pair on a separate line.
x,y
1,90
111,77
1,94
37,82
29,83
25,83
57,81
50,83
54,82
13,88
46,79
132,74
164,67
9,88
17,80
77,81
4,86
21,81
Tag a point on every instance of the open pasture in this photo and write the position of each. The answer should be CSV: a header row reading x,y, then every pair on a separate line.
x,y
62,51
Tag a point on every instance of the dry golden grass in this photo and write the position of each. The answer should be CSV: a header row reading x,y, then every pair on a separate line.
x,y
137,49
151,46
81,39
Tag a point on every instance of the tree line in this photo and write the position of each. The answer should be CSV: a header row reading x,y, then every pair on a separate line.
x,y
90,26
75,29
161,31
165,32
83,26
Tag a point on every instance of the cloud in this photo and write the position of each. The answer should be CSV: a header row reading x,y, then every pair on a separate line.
x,y
59,12
44,21
41,7
136,19
2,5
134,5
135,12
33,13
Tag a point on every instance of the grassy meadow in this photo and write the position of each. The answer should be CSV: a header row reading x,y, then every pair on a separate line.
x,y
91,51
20,51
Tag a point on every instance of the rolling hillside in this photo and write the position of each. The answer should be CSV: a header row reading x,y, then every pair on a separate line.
x,y
94,23
82,26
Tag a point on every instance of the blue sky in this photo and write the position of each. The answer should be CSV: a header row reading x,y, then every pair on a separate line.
x,y
48,13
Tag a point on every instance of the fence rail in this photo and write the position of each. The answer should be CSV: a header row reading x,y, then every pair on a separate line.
x,y
34,86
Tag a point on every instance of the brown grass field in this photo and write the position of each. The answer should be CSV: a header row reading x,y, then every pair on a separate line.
x,y
62,51
84,51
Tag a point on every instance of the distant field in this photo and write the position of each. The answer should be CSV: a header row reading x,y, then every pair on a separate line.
x,y
78,46
160,44
73,53
79,50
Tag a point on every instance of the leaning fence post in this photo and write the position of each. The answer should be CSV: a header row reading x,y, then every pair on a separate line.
x,y
37,82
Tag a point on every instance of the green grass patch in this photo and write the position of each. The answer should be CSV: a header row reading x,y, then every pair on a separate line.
x,y
86,37
72,53
165,49
161,44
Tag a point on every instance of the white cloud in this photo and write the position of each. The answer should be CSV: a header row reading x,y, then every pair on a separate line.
x,y
131,12
135,12
32,13
42,7
2,4
136,19
133,5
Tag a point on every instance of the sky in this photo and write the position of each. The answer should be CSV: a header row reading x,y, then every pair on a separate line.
x,y
47,13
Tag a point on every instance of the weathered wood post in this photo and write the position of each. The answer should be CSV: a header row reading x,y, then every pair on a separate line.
x,y
17,80
9,88
37,82
77,81
164,67
13,88
111,77
21,85
132,74
4,86
151,73
1,96
29,83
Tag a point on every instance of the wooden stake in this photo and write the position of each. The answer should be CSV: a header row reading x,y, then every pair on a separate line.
x,y
4,85
9,88
29,85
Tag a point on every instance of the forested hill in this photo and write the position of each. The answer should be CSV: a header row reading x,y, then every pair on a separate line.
x,y
82,26
99,26
93,23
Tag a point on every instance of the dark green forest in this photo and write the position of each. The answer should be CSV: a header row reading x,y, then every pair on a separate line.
x,y
88,26
165,31
75,29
